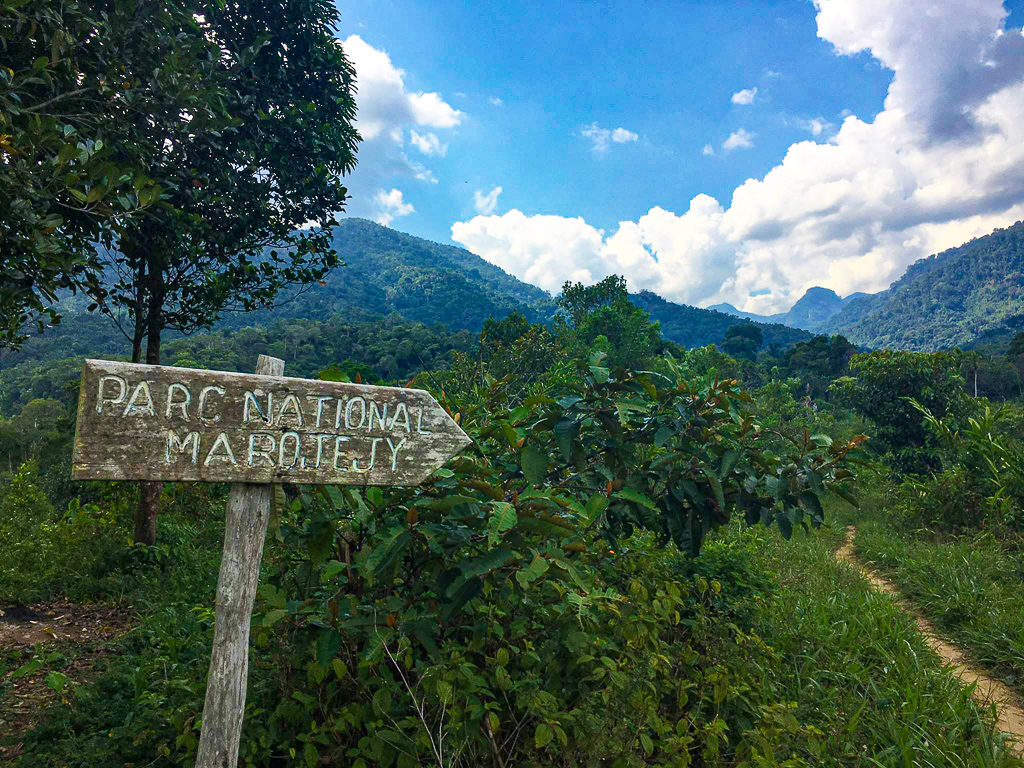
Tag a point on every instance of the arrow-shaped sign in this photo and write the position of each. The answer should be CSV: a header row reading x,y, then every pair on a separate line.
x,y
151,422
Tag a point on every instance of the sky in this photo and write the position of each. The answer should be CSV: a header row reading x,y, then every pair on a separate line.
x,y
738,151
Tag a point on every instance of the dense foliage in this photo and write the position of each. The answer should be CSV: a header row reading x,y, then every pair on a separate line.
x,y
78,81
883,386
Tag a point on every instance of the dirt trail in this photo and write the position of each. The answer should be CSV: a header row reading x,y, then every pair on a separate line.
x,y
1010,716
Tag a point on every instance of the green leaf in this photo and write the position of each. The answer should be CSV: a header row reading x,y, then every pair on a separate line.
x,y
503,518
646,743
331,569
27,669
386,555
846,495
537,568
534,464
340,670
56,681
328,643
785,526
274,616
463,595
628,494
597,504
729,459
663,435
716,489
810,501
543,735
482,565
566,432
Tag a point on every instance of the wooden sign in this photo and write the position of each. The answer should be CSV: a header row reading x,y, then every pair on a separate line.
x,y
151,422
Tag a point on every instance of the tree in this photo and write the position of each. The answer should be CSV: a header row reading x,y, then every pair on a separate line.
x,y
1016,349
743,340
78,78
240,193
881,385
604,309
581,300
818,361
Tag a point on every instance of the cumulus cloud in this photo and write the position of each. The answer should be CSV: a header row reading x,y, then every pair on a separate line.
x,y
622,136
390,206
746,96
943,162
816,125
602,138
485,204
708,150
741,139
388,113
428,143
496,101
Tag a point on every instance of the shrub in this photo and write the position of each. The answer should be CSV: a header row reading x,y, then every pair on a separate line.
x,y
46,552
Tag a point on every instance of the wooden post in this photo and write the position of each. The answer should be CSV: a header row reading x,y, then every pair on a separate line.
x,y
244,532
152,422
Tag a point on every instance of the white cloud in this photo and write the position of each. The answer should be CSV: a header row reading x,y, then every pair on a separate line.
x,y
485,204
428,143
496,101
746,96
622,136
708,150
602,138
390,206
388,116
430,109
741,139
943,162
816,125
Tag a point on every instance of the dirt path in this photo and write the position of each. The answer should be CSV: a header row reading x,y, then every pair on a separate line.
x,y
64,637
988,690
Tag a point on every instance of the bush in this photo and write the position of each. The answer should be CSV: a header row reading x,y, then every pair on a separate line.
x,y
48,553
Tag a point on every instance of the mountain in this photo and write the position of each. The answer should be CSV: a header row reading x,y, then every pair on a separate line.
x,y
695,327
945,300
811,312
388,272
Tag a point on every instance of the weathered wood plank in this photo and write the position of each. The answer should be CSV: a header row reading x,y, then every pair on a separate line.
x,y
245,529
147,422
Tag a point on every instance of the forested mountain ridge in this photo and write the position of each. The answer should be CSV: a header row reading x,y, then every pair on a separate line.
x,y
385,271
963,296
389,271
946,300
696,327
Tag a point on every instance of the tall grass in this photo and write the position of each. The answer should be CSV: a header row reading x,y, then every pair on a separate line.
x,y
861,673
969,586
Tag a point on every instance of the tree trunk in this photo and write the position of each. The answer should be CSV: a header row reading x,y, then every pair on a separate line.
x,y
139,331
150,490
244,531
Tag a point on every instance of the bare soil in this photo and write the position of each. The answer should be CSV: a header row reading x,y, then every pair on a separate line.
x,y
987,690
80,634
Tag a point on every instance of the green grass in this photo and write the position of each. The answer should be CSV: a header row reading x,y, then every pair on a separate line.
x,y
849,680
969,586
860,672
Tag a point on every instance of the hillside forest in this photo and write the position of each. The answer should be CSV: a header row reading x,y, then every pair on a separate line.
x,y
652,552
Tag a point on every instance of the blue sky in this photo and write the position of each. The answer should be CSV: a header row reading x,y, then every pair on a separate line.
x,y
620,133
